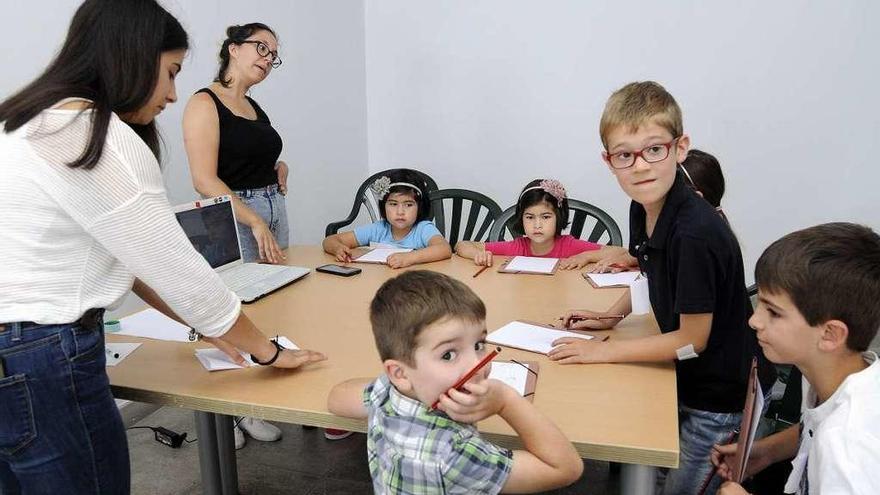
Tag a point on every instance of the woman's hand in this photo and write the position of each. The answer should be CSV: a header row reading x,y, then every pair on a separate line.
x,y
294,358
269,249
282,170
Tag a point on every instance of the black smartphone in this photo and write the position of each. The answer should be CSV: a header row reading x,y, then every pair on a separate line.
x,y
342,271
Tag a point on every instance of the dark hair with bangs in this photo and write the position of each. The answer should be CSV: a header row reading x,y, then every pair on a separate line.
x,y
423,201
536,196
237,35
406,304
111,57
830,272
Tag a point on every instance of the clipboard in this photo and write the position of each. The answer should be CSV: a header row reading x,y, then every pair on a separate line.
x,y
588,278
503,267
531,369
754,406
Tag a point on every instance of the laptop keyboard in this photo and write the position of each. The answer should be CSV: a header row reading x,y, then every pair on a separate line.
x,y
250,274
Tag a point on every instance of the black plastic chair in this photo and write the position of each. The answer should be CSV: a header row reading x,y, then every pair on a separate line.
x,y
364,197
482,213
604,229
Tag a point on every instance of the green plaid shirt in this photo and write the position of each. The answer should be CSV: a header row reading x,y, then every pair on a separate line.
x,y
412,450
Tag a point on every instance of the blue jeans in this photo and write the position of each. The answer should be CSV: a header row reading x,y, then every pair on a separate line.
x,y
271,206
60,429
698,431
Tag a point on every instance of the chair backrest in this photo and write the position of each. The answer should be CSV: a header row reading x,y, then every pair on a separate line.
x,y
365,197
585,219
481,213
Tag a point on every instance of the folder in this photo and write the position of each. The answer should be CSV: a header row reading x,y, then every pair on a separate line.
x,y
751,416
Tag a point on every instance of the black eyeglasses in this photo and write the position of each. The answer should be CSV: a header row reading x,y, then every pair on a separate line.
x,y
651,154
264,51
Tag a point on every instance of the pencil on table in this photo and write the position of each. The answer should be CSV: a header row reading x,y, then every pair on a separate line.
x,y
481,270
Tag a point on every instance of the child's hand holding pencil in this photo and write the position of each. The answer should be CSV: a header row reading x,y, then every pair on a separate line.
x,y
589,320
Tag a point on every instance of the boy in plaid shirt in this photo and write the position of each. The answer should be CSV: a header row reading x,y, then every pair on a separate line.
x,y
430,330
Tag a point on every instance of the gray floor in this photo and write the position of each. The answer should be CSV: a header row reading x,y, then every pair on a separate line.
x,y
303,462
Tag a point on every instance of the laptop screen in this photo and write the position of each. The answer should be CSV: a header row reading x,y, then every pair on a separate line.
x,y
211,230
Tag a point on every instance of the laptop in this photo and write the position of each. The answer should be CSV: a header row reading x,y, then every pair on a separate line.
x,y
211,227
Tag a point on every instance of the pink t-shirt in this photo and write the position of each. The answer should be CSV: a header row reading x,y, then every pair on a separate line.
x,y
564,247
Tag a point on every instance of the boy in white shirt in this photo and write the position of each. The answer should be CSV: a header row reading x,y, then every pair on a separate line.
x,y
818,294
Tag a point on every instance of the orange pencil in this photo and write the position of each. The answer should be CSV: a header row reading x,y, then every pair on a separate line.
x,y
470,374
481,270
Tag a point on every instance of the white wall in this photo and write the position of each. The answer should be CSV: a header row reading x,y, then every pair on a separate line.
x,y
488,95
316,99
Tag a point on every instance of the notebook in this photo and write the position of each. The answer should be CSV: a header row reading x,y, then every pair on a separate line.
x,y
522,376
603,280
211,227
379,255
529,264
530,337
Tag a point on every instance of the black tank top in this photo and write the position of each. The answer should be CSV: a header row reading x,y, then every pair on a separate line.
x,y
248,150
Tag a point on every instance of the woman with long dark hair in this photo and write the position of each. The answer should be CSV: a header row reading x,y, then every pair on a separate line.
x,y
86,219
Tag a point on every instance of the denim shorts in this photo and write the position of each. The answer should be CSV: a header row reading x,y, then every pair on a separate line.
x,y
698,432
60,429
271,206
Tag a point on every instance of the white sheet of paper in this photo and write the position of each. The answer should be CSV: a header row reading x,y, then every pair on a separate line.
x,y
609,279
122,350
640,296
381,255
757,412
531,264
152,324
530,337
216,360
511,374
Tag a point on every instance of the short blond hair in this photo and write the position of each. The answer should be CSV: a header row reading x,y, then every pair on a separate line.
x,y
638,103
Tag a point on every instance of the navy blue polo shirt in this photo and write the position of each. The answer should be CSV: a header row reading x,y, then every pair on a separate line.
x,y
694,265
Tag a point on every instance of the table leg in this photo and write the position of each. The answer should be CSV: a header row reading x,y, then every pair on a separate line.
x,y
226,454
209,462
637,479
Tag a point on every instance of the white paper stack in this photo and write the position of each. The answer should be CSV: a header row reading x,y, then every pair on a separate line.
x,y
529,337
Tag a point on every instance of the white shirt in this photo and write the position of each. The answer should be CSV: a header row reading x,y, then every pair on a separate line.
x,y
840,442
72,239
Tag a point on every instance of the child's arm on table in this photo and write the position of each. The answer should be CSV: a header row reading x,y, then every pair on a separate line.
x,y
346,398
693,329
474,251
607,255
340,245
438,249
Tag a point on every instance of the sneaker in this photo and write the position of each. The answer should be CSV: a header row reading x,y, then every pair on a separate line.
x,y
260,430
239,438
334,434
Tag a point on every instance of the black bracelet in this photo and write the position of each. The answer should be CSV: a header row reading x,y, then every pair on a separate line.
x,y
278,349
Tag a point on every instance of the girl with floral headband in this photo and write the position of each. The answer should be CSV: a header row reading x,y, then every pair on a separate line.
x,y
405,209
542,213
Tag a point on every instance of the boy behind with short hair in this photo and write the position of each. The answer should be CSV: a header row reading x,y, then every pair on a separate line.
x,y
430,330
818,293
695,280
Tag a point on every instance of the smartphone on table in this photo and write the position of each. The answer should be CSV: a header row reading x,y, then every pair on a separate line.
x,y
342,271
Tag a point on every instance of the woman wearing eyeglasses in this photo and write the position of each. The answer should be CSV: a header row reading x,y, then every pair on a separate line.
x,y
232,147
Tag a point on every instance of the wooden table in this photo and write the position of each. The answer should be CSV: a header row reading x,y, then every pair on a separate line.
x,y
615,412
